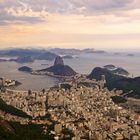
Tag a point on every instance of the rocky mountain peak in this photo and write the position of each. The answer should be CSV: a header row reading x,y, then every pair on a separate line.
x,y
58,61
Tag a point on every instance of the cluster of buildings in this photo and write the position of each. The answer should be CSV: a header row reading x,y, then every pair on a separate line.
x,y
7,82
32,103
90,113
81,106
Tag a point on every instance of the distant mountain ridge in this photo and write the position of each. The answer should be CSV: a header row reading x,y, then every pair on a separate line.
x,y
46,54
27,55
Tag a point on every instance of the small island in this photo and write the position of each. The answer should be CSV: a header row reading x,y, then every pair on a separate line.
x,y
25,69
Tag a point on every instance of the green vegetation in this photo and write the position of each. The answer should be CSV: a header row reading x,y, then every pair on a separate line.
x,y
127,85
66,86
118,99
24,132
12,110
16,131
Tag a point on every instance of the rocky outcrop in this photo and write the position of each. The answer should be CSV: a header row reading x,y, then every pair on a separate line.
x,y
59,69
58,61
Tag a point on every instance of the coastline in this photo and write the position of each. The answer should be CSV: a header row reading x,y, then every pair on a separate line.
x,y
51,75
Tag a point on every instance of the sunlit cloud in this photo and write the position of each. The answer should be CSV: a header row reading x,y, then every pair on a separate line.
x,y
67,23
35,10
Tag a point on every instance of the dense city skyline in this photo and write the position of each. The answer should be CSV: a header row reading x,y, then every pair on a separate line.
x,y
79,24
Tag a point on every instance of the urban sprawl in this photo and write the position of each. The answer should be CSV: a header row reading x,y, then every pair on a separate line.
x,y
83,106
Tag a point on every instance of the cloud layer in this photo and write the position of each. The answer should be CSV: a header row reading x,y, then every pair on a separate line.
x,y
35,11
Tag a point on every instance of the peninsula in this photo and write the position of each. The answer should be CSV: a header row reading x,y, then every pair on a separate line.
x,y
57,70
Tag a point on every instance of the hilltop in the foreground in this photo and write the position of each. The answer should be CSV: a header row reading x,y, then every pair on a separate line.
x,y
81,106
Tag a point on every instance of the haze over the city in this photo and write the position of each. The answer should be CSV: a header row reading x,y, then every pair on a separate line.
x,y
112,24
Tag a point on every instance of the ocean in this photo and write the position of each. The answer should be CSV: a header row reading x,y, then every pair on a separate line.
x,y
83,64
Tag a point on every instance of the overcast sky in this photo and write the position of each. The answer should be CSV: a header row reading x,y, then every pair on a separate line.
x,y
113,24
